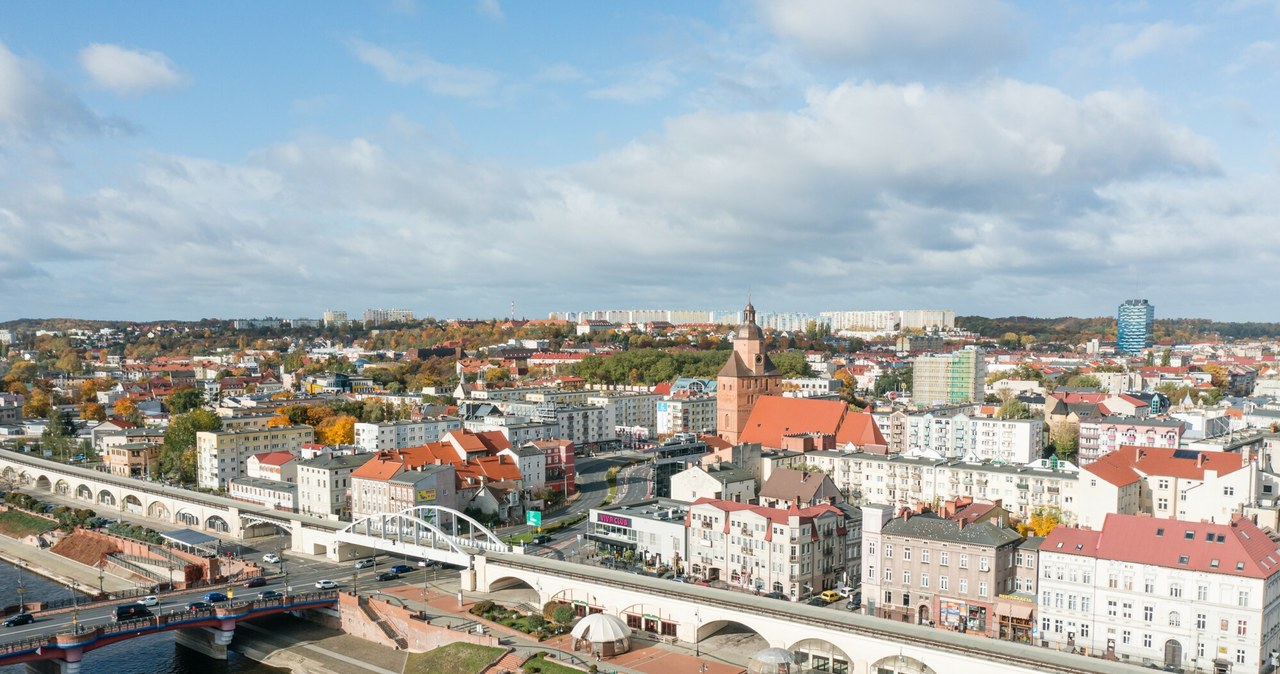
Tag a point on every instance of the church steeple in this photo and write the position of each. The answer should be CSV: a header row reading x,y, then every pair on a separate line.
x,y
747,375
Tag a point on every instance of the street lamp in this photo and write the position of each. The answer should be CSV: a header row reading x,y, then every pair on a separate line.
x,y
697,627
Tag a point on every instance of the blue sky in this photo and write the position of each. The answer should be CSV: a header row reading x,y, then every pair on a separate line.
x,y
168,160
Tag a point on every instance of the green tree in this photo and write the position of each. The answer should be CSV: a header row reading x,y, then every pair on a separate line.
x,y
1084,381
1013,409
178,454
1164,358
185,399
563,614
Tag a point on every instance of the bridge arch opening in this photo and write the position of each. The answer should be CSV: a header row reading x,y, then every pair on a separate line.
x,y
820,655
61,487
188,518
133,504
106,498
512,590
216,523
730,636
44,484
159,510
900,664
84,492
24,478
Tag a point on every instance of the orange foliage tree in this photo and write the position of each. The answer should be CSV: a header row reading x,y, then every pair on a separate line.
x,y
336,430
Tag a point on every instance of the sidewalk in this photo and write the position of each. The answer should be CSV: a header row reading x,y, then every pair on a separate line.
x,y
58,568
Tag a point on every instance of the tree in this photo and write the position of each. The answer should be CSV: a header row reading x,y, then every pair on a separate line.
x,y
1084,381
1064,436
68,361
37,404
338,429
23,371
185,399
1013,409
178,454
128,410
91,411
1164,358
1042,521
563,614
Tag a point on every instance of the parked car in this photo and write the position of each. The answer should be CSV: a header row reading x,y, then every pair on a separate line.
x,y
817,601
830,596
541,539
19,619
776,595
199,606
270,594
678,579
215,597
365,563
149,600
388,575
401,568
256,581
271,558
325,585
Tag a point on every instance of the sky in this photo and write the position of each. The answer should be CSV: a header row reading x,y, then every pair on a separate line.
x,y
164,160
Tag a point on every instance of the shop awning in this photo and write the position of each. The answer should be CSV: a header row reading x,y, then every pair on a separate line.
x,y
1019,610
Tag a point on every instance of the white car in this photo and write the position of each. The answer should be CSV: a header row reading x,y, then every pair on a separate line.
x,y
325,585
365,563
271,558
149,600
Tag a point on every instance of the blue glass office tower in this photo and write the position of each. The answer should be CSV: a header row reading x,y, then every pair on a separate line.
x,y
1133,326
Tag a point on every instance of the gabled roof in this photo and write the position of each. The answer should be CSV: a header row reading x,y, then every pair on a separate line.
x,y
787,484
1185,464
734,367
776,416
929,526
380,468
274,458
1236,549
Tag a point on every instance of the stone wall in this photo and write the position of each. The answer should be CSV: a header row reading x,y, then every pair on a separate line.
x,y
420,635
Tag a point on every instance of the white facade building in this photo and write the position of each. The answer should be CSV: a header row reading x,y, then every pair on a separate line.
x,y
223,455
388,435
324,484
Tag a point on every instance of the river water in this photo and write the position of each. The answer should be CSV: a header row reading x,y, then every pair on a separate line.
x,y
155,654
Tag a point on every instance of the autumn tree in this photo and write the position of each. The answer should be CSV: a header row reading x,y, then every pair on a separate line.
x,y
127,409
337,429
91,411
1013,409
37,404
24,371
1042,521
178,454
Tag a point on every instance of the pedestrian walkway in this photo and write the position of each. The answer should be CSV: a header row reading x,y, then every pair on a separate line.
x,y
58,568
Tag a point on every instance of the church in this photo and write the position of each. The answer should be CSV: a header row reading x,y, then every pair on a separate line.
x,y
750,406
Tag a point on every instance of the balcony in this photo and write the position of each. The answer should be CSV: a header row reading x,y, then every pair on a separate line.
x,y
746,550
706,524
746,531
1023,486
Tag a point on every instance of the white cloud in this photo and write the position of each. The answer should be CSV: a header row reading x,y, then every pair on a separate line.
x,y
1153,38
942,33
491,9
34,106
436,77
1259,53
644,86
129,71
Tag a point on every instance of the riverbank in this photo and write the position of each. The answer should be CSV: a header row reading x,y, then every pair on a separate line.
x,y
57,568
308,648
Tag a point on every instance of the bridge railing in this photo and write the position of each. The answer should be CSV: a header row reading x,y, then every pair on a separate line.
x,y
27,644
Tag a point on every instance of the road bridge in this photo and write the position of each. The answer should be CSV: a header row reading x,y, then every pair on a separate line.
x,y
825,638
208,631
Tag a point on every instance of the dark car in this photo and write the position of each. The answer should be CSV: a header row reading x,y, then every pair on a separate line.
x,y
541,539
401,568
270,594
388,575
257,581
215,597
199,606
817,601
131,612
19,619
776,595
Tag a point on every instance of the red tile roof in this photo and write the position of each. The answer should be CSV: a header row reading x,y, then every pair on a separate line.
x,y
274,458
774,515
1236,549
1127,464
776,416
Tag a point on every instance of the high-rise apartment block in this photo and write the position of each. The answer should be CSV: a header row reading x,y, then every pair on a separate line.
x,y
381,316
335,318
1133,326
945,379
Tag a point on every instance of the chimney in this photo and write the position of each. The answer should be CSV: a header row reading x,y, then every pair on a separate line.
x,y
961,522
1201,458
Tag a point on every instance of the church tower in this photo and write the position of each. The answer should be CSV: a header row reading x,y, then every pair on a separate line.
x,y
746,376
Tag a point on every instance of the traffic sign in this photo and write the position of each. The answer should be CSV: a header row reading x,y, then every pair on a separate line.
x,y
533,518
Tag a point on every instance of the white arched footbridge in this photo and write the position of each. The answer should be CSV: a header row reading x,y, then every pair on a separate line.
x,y
426,532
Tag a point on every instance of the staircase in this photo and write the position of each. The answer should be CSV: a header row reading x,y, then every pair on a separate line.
x,y
511,662
136,569
400,642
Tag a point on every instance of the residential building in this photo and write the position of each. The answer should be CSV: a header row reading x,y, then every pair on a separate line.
x,y
269,493
382,316
278,466
801,488
559,463
335,318
532,462
387,435
132,459
629,409
1182,484
943,379
795,551
1185,596
428,485
907,480
324,484
718,481
1099,437
963,436
1134,319
930,570
690,413
927,319
223,455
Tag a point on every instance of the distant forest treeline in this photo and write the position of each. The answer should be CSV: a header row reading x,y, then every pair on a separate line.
x,y
1070,330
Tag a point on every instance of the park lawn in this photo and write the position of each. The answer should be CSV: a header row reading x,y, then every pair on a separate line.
x,y
544,666
17,524
455,658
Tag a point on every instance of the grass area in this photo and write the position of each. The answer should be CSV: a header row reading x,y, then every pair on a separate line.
x,y
544,666
455,658
17,524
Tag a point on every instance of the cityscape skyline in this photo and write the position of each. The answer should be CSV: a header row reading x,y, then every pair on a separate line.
x,y
175,162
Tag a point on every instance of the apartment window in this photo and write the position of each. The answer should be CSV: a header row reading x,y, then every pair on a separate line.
x,y
871,548
1112,582
906,577
984,565
906,554
924,556
888,551
1084,604
1146,641
888,597
943,583
964,561
964,586
1162,504
1242,628
982,588
1071,602
1240,656
1126,637
1057,599
944,558
1202,593
1175,620
1084,630
1175,589
888,574
1128,609
1148,612
1228,491
1149,586
924,580
1242,598
1111,607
